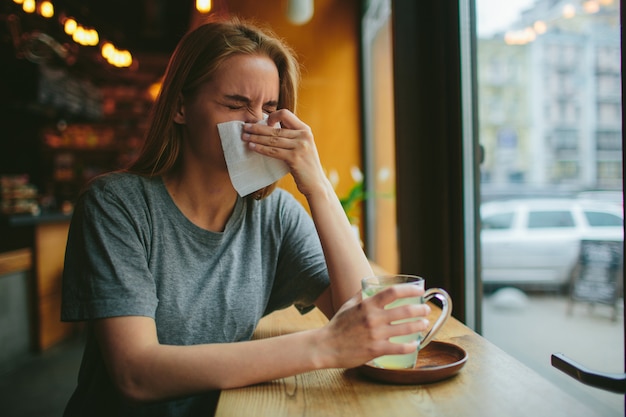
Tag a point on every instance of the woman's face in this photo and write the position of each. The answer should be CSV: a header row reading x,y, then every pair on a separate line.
x,y
243,88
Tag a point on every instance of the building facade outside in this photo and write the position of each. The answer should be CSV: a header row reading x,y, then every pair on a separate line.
x,y
550,100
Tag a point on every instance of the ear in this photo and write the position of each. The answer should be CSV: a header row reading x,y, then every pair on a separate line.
x,y
179,116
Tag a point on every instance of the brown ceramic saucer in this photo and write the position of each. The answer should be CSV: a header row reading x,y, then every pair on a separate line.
x,y
437,361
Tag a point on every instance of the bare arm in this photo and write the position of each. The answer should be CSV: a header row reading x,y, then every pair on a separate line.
x,y
144,370
346,262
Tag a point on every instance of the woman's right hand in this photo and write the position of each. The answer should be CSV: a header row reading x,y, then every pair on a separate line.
x,y
361,329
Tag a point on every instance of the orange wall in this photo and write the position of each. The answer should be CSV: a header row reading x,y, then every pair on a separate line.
x,y
329,98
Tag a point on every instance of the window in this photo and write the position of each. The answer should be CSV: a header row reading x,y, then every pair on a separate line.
x,y
568,142
609,173
565,171
380,166
550,219
599,219
609,141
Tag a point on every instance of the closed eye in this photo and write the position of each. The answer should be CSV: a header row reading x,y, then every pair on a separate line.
x,y
269,109
270,106
238,101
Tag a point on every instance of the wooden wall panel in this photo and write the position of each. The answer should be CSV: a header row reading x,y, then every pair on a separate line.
x,y
15,261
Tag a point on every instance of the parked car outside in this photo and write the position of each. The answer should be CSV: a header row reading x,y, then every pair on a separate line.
x,y
534,243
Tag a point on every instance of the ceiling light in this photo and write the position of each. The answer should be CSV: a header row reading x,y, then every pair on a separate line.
x,y
203,6
300,12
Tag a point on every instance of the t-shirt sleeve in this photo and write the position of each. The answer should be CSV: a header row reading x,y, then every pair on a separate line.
x,y
106,272
301,274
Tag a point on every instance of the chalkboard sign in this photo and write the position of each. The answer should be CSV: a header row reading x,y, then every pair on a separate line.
x,y
599,274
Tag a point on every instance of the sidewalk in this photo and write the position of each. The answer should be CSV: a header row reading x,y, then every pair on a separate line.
x,y
532,328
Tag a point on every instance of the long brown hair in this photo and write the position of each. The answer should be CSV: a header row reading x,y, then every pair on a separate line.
x,y
194,61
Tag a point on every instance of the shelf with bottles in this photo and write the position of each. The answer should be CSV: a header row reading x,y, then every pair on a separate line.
x,y
79,137
18,195
126,103
91,139
72,154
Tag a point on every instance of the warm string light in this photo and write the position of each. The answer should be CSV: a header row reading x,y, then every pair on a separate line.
x,y
86,37
203,6
116,57
29,6
46,9
83,35
69,26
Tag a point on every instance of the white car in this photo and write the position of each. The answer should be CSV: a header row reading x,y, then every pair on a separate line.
x,y
535,242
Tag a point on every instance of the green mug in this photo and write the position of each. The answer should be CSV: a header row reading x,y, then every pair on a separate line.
x,y
375,284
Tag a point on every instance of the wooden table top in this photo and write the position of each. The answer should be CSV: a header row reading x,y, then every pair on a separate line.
x,y
492,383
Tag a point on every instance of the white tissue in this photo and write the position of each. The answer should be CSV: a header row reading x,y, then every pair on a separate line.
x,y
248,170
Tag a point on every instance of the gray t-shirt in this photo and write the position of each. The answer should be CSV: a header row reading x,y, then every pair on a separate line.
x,y
131,251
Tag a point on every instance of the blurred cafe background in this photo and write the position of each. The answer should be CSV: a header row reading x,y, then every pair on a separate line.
x,y
478,143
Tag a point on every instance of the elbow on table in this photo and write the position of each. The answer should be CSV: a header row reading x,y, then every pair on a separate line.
x,y
132,389
140,387
134,382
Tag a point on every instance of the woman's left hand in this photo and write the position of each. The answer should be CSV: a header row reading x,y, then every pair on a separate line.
x,y
292,143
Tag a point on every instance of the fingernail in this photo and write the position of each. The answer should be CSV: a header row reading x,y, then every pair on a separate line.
x,y
252,145
245,136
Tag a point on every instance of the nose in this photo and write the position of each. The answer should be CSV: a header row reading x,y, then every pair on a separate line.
x,y
255,115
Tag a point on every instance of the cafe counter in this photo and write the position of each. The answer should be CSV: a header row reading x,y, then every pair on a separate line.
x,y
44,238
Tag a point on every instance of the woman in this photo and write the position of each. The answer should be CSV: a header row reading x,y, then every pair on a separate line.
x,y
172,269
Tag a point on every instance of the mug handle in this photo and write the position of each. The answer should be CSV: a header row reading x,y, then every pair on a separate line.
x,y
446,311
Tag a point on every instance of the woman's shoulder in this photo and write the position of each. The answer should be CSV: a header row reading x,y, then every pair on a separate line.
x,y
119,181
121,186
120,192
114,179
